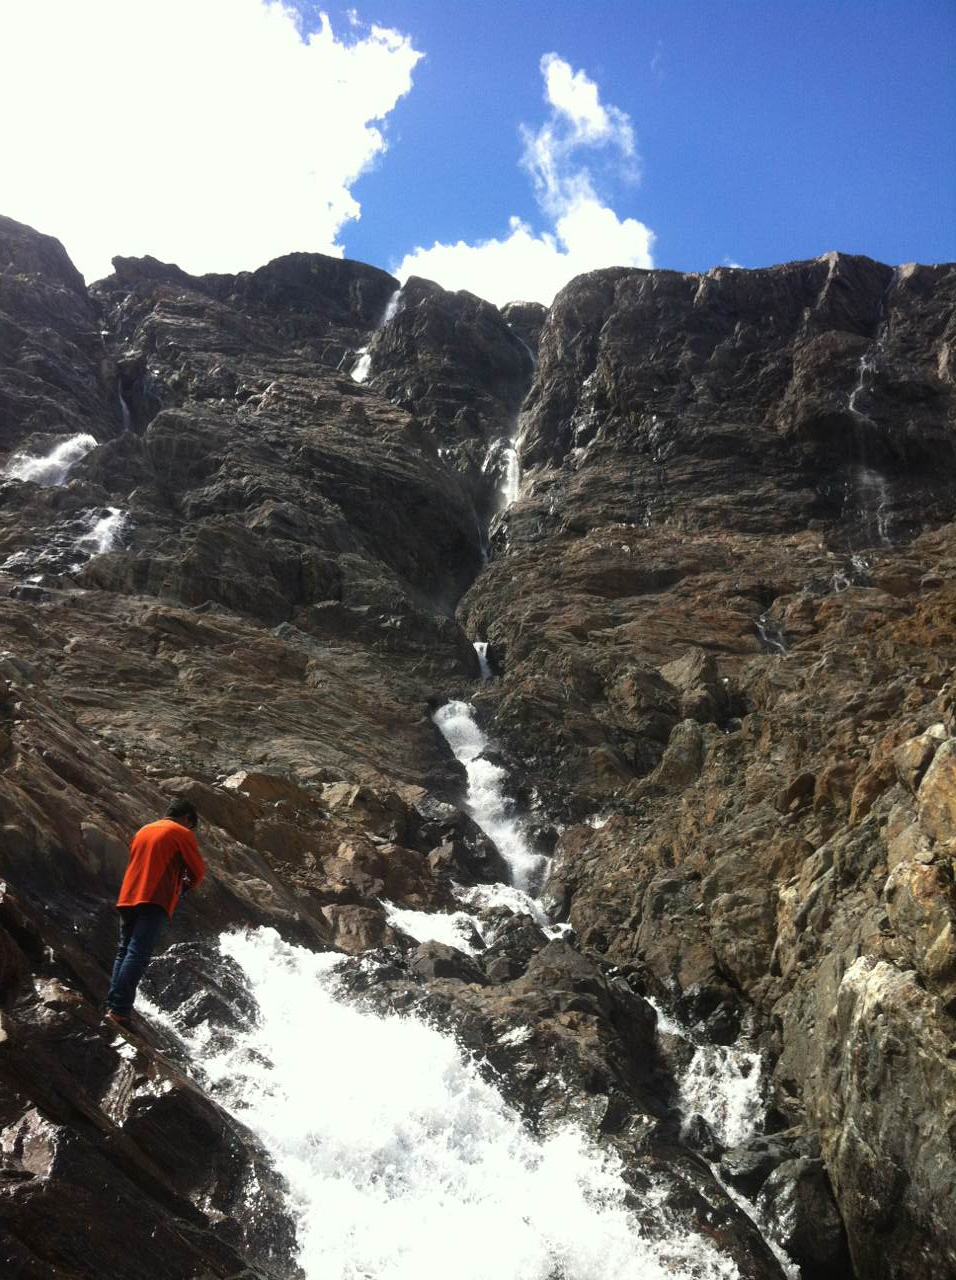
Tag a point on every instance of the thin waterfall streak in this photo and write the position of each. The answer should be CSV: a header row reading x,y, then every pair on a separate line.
x,y
124,410
363,365
511,484
481,649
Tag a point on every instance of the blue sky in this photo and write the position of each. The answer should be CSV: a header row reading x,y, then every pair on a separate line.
x,y
766,131
496,146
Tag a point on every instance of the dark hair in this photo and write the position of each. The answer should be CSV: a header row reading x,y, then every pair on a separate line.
x,y
180,807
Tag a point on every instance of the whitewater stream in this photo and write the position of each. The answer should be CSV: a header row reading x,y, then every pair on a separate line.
x,y
54,467
402,1162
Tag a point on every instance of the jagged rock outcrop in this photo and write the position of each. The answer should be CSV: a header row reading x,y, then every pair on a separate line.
x,y
722,616
463,368
721,625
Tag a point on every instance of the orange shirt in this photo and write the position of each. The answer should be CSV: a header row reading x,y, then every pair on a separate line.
x,y
160,855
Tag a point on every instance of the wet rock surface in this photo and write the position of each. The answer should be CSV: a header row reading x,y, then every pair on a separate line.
x,y
721,619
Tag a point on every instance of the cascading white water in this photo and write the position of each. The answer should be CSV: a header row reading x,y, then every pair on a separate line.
x,y
481,649
403,1163
103,533
363,365
511,484
770,634
724,1084
866,367
52,468
455,928
485,799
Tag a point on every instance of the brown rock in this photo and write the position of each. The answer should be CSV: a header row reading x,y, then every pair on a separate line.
x,y
937,794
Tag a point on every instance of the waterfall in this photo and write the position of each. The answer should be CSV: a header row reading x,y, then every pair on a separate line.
x,y
771,635
511,484
486,800
54,467
363,365
725,1085
866,367
401,1161
481,648
103,533
124,410
870,488
874,496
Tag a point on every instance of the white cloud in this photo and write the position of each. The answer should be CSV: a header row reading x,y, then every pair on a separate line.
x,y
585,233
205,132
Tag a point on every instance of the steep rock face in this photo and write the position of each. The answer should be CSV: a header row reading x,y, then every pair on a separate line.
x,y
457,363
796,382
721,612
526,319
52,354
720,617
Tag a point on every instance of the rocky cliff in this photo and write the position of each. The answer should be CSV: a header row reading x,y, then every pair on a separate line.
x,y
250,527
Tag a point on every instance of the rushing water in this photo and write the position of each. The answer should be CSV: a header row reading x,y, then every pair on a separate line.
x,y
511,484
402,1162
52,468
105,529
481,649
486,800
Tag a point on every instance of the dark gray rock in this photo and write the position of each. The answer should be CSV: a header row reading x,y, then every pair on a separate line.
x,y
797,1201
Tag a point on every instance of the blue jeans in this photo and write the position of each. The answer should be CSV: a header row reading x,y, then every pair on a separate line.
x,y
140,928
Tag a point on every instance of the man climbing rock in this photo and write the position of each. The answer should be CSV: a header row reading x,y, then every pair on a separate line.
x,y
164,861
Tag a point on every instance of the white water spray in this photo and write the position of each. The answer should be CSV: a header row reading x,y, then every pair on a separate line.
x,y
54,467
511,484
485,799
481,648
455,929
363,365
402,1162
103,533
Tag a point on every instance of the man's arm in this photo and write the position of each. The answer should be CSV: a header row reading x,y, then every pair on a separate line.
x,y
195,867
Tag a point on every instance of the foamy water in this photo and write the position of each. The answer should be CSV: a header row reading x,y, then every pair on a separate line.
x,y
722,1083
511,484
486,800
103,533
454,928
403,1163
52,468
